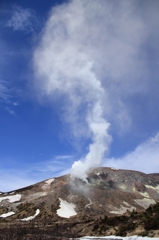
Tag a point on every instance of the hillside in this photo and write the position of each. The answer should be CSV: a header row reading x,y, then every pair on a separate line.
x,y
119,202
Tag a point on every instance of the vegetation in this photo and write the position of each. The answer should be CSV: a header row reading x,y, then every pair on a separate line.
x,y
49,228
29,231
148,220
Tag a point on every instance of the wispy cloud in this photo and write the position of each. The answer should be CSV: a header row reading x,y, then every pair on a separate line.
x,y
64,157
23,20
10,111
4,92
56,165
6,101
144,158
12,178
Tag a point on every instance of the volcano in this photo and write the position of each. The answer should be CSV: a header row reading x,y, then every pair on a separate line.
x,y
111,201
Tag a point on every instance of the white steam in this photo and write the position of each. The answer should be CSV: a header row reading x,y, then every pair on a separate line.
x,y
90,58
99,129
67,69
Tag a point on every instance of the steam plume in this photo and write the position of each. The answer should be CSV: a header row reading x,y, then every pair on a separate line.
x,y
90,55
99,129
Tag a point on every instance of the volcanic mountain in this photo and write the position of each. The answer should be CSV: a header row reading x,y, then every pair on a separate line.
x,y
62,207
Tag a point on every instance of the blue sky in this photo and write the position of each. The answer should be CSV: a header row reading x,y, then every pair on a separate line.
x,y
79,87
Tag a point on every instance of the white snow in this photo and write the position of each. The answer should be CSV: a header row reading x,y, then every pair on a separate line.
x,y
4,215
145,194
115,169
11,199
31,217
154,188
66,209
127,204
118,237
145,202
123,209
49,181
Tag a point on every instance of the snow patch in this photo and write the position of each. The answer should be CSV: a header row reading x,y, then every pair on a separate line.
x,y
134,189
66,209
154,188
122,186
47,183
11,199
122,209
118,237
145,202
31,217
127,204
145,194
115,169
4,215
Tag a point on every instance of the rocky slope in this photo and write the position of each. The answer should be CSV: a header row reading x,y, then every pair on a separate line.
x,y
109,199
